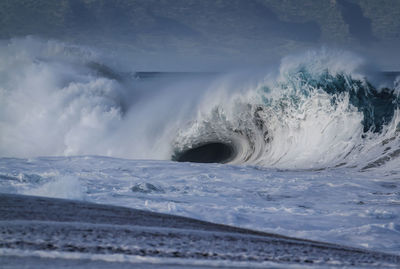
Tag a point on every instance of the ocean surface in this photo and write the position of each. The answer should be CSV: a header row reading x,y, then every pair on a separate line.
x,y
308,149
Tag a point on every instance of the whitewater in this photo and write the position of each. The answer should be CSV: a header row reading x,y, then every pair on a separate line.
x,y
309,148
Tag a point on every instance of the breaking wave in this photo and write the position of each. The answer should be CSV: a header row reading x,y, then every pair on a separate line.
x,y
321,109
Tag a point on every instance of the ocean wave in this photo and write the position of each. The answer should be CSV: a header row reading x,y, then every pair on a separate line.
x,y
320,109
318,112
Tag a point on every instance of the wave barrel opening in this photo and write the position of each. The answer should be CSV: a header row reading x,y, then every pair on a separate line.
x,y
213,152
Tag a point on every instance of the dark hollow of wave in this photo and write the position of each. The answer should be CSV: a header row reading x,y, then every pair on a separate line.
x,y
213,152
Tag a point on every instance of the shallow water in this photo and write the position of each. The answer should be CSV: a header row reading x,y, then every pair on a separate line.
x,y
339,205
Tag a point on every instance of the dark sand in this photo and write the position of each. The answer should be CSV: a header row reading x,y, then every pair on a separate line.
x,y
38,232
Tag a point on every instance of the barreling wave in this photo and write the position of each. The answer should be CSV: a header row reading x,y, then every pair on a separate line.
x,y
320,110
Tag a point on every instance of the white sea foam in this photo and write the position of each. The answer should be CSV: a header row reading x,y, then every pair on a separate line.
x,y
135,260
67,187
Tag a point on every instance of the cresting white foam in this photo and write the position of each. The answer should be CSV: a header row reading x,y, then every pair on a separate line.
x,y
51,104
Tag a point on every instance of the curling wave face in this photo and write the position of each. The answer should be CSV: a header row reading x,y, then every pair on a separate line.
x,y
318,110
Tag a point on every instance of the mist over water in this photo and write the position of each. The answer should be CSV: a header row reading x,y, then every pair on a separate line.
x,y
320,108
55,101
